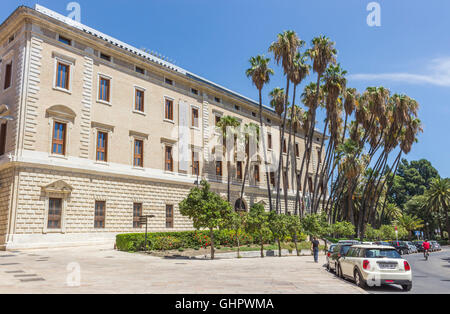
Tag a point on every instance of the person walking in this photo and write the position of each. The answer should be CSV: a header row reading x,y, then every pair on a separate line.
x,y
315,249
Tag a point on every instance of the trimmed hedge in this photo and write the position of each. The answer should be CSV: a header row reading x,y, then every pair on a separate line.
x,y
132,242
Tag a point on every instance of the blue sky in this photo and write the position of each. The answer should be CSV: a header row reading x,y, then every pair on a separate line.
x,y
409,53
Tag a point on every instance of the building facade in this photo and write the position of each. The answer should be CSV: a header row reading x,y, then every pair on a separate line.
x,y
103,133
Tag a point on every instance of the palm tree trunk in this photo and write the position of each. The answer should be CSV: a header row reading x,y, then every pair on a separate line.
x,y
228,180
211,234
262,246
261,126
281,145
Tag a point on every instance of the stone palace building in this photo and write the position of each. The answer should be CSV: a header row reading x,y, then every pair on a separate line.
x,y
99,133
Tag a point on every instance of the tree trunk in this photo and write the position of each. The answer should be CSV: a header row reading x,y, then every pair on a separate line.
x,y
229,178
211,234
238,244
262,246
261,131
279,247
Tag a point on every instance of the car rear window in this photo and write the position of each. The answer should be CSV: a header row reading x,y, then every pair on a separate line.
x,y
381,253
345,248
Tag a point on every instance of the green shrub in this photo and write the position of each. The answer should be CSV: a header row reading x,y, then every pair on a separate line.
x,y
165,243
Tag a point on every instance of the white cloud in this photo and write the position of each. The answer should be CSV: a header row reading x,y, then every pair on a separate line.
x,y
437,73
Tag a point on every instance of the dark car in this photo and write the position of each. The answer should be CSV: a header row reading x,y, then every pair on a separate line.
x,y
401,247
383,243
418,245
339,250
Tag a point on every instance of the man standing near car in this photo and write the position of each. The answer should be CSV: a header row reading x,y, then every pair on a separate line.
x,y
315,249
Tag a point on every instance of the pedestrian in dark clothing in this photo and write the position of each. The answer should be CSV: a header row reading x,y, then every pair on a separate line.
x,y
315,249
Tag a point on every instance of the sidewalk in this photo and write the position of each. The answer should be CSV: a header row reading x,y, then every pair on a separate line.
x,y
104,270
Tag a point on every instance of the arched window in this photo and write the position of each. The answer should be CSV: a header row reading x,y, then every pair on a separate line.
x,y
240,205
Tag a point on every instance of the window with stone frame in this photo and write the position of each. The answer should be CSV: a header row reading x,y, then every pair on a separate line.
x,y
100,212
62,75
104,89
256,173
3,129
138,156
218,168
139,100
102,146
169,216
168,159
137,212
54,213
168,110
195,164
239,170
8,75
59,138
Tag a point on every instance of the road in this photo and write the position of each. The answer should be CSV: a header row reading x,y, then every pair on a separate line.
x,y
432,276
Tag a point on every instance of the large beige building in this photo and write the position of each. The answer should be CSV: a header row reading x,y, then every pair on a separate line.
x,y
102,132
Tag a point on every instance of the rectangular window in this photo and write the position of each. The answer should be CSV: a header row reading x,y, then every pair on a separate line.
x,y
219,168
253,114
62,75
140,70
269,141
99,220
319,156
297,150
217,120
272,178
194,91
54,213
169,109
256,173
137,212
169,216
11,39
104,89
168,81
3,129
284,146
168,159
139,100
217,99
59,139
239,170
8,75
102,146
105,57
195,117
138,153
236,107
195,164
65,40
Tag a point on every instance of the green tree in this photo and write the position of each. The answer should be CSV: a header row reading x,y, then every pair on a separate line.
x,y
206,209
277,225
237,221
343,229
258,224
372,233
438,197
294,229
410,223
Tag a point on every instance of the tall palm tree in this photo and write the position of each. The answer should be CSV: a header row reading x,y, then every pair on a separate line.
x,y
438,197
322,53
284,50
227,123
260,73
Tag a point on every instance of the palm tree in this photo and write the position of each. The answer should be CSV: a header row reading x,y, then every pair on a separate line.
x,y
250,130
438,197
227,123
260,73
284,50
410,223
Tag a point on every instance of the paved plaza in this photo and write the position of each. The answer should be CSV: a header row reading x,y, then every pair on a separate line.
x,y
104,270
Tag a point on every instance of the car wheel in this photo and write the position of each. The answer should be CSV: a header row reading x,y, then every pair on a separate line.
x,y
359,280
407,287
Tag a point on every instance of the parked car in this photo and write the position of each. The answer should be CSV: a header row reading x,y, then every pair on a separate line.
x,y
370,265
435,246
330,251
401,247
412,247
348,242
338,251
418,245
383,243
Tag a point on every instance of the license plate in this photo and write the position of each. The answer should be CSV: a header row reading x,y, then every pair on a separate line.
x,y
387,265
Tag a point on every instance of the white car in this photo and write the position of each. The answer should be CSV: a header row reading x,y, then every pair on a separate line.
x,y
375,265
